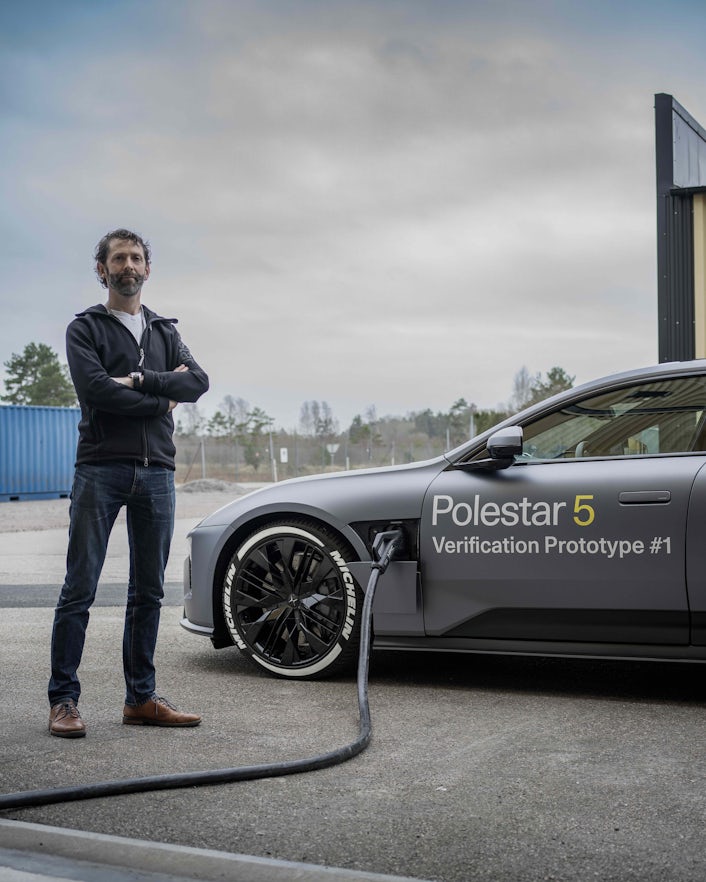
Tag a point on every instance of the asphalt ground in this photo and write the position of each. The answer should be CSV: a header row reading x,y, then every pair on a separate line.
x,y
480,767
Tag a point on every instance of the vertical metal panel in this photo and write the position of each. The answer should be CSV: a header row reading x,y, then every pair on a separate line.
x,y
698,208
689,159
680,262
37,451
681,164
665,181
675,286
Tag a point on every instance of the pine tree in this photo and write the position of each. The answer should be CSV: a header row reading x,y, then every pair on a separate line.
x,y
36,377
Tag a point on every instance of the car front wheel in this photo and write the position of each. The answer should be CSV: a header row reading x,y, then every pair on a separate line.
x,y
290,601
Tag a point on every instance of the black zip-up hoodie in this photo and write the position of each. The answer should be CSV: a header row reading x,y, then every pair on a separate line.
x,y
119,423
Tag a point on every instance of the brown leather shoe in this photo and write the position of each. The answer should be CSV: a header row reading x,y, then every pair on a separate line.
x,y
65,720
157,712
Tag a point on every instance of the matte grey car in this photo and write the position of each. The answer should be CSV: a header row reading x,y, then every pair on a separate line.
x,y
574,528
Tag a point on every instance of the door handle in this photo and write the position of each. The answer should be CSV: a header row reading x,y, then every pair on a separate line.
x,y
645,497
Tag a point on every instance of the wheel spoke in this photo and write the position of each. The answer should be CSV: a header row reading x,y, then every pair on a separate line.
x,y
256,586
290,655
321,612
323,578
318,645
277,554
272,647
273,566
267,629
307,563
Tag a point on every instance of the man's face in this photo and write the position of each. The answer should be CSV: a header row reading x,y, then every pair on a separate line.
x,y
125,269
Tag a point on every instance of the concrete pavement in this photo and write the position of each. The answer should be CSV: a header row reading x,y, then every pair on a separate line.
x,y
31,572
480,768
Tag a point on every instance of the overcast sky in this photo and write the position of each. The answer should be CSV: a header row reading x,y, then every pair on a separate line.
x,y
394,203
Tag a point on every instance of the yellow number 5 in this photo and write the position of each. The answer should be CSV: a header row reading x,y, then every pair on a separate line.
x,y
586,511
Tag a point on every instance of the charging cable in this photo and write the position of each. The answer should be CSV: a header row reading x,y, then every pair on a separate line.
x,y
386,545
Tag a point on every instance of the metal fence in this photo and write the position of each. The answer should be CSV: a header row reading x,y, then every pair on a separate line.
x,y
281,456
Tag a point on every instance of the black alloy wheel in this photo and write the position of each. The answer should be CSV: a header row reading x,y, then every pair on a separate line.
x,y
290,601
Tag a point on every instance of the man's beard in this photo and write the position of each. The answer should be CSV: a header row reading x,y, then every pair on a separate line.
x,y
126,284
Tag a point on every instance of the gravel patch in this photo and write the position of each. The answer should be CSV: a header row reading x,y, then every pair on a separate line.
x,y
193,500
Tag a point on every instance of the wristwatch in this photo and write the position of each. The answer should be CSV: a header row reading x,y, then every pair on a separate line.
x,y
137,379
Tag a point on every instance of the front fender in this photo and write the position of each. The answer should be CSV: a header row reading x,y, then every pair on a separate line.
x,y
213,545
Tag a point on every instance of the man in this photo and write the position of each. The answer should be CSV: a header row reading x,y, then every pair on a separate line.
x,y
130,369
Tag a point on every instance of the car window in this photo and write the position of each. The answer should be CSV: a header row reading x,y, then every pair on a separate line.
x,y
650,418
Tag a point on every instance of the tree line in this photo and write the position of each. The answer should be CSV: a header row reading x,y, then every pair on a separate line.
x,y
241,440
236,419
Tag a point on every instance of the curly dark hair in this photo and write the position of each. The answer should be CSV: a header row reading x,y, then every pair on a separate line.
x,y
101,253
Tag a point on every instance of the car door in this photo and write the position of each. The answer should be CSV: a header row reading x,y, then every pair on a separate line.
x,y
583,538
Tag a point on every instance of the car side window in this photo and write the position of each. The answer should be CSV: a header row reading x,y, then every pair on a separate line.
x,y
668,416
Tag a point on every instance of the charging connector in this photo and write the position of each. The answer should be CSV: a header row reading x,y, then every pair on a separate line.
x,y
386,546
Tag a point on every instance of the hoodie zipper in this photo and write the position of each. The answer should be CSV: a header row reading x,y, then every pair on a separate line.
x,y
140,363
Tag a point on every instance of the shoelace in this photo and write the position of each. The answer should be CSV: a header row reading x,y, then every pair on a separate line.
x,y
158,699
68,709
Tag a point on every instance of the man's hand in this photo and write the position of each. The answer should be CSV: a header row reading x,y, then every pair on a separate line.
x,y
177,370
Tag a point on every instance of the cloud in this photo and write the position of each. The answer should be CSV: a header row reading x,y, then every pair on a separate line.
x,y
390,203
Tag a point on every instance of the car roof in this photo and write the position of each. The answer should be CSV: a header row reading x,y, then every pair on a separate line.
x,y
643,374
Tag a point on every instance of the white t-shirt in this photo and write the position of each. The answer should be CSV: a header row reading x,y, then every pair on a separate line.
x,y
134,323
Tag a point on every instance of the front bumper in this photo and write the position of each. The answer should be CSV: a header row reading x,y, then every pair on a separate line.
x,y
204,630
200,630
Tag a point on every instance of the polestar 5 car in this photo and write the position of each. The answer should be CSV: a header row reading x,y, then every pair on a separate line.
x,y
576,528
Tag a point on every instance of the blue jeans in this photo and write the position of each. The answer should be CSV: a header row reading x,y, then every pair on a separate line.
x,y
98,494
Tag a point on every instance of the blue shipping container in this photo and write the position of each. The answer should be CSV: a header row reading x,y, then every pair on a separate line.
x,y
37,451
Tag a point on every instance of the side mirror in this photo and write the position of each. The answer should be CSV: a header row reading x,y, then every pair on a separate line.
x,y
506,443
503,447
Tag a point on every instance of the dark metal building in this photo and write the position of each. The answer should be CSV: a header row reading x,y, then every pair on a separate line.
x,y
681,231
